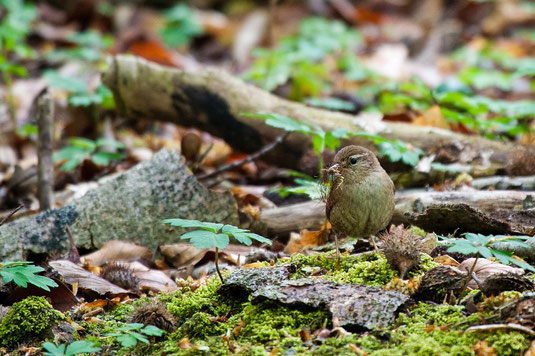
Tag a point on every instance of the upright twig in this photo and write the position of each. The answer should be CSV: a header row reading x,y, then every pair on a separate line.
x,y
74,255
469,277
217,265
248,159
45,123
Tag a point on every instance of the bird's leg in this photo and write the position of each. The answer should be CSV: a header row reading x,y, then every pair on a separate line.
x,y
337,266
372,240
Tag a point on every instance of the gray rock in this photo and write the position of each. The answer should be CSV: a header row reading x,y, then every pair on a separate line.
x,y
355,307
128,207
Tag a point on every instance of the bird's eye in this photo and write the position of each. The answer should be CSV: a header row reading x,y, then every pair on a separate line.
x,y
353,160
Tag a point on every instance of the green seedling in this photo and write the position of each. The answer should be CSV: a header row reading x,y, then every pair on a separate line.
x,y
216,235
75,348
180,27
15,27
298,59
24,272
82,148
79,93
394,150
131,333
481,246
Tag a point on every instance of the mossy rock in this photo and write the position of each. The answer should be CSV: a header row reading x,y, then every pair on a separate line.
x,y
30,318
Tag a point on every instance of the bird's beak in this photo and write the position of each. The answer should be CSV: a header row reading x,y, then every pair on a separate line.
x,y
334,170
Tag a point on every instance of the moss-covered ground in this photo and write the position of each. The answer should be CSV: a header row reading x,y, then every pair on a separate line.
x,y
208,323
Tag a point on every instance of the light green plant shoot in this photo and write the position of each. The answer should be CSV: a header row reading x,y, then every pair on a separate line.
x,y
83,148
75,348
131,333
23,272
481,246
216,235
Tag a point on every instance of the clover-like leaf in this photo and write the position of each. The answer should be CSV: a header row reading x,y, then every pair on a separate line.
x,y
206,239
214,227
152,330
283,122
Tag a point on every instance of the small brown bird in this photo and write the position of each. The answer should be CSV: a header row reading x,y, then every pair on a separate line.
x,y
361,200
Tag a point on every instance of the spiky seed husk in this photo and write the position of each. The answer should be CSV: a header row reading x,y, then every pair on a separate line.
x,y
154,314
120,275
402,249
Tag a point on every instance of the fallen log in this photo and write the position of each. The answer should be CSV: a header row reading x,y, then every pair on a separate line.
x,y
128,207
489,212
214,101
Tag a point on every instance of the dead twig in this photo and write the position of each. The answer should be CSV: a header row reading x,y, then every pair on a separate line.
x,y
11,214
45,170
250,158
493,327
74,255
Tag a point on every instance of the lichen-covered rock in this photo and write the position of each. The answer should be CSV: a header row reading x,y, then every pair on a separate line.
x,y
129,207
247,280
30,318
356,307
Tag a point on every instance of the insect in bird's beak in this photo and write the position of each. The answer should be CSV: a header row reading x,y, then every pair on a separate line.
x,y
334,171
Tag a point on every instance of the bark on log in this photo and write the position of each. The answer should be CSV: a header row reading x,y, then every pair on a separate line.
x,y
490,212
213,100
129,207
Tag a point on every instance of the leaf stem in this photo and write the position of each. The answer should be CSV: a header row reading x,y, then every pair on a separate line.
x,y
469,277
217,265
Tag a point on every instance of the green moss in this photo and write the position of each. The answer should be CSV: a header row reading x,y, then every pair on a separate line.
x,y
370,269
427,263
268,322
27,319
438,330
183,304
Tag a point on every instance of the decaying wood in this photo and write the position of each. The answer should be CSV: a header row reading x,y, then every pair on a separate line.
x,y
214,101
128,207
504,209
504,182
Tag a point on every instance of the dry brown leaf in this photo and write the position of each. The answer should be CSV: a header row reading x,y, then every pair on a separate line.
x,y
184,344
254,265
481,348
531,350
357,349
73,273
485,268
305,240
275,351
116,250
432,117
446,260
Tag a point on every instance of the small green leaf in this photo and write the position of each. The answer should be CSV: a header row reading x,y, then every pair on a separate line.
x,y
206,239
70,164
127,340
256,237
104,158
80,347
283,122
67,83
108,142
152,330
214,227
71,152
82,142
140,337
53,350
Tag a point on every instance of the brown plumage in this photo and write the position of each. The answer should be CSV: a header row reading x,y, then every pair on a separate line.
x,y
361,200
